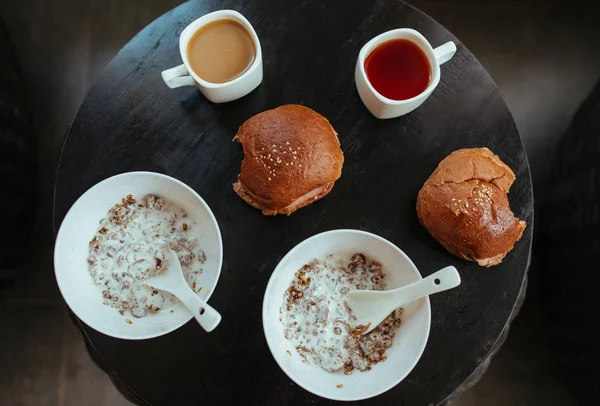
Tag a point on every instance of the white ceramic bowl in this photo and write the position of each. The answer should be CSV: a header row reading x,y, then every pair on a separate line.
x,y
410,338
81,223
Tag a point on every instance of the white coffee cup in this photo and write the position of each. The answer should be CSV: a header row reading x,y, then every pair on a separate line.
x,y
382,107
183,75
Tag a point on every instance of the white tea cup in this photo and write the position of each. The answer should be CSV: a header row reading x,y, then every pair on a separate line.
x,y
383,107
183,75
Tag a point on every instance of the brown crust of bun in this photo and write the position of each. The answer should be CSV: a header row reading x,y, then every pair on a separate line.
x,y
464,206
289,152
252,201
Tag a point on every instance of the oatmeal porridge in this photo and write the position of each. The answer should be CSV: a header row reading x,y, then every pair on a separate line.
x,y
130,247
319,323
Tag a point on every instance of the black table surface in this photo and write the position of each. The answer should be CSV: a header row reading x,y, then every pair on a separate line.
x,y
131,121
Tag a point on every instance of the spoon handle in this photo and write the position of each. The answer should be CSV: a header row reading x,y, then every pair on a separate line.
x,y
204,313
444,279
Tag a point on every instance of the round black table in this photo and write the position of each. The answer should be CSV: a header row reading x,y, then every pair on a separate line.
x,y
131,121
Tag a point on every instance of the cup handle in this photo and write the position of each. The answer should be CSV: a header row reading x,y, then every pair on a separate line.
x,y
177,77
445,52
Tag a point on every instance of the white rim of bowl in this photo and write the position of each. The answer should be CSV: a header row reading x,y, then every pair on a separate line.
x,y
286,370
60,232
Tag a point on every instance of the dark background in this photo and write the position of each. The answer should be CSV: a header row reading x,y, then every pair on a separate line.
x,y
543,55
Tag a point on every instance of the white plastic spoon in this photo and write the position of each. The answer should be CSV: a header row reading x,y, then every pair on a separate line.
x,y
172,280
373,306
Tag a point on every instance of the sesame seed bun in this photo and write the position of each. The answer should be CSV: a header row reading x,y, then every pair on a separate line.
x,y
464,206
292,157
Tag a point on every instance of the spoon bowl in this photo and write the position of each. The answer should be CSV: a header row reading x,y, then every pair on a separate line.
x,y
79,226
408,343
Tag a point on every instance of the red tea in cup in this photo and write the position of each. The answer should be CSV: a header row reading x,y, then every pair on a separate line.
x,y
398,69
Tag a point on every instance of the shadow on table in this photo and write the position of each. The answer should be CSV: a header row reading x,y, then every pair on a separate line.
x,y
568,251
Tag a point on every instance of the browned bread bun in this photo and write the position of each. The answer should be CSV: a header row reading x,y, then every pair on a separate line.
x,y
464,205
292,157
